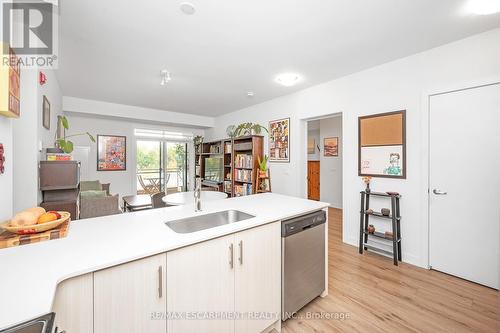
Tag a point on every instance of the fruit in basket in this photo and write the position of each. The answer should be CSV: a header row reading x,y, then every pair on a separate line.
x,y
24,219
47,217
38,211
55,213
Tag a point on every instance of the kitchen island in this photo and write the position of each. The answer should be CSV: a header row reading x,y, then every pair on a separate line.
x,y
31,273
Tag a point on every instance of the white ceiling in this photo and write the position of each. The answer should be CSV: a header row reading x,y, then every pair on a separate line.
x,y
113,50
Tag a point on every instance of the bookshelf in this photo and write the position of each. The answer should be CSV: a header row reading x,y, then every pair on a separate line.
x,y
240,158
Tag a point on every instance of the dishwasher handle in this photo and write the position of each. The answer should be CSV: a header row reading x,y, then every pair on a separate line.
x,y
302,223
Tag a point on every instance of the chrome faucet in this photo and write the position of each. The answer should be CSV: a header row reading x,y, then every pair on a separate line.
x,y
197,196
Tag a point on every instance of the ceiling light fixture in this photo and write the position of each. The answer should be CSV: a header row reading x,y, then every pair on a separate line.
x,y
165,77
250,94
288,79
483,7
187,8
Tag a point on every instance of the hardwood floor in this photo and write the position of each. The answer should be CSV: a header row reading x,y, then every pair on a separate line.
x,y
375,296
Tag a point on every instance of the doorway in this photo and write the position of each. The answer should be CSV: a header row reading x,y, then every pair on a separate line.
x,y
464,185
161,166
324,160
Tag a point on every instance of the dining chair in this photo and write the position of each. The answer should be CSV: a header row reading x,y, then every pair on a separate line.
x,y
157,201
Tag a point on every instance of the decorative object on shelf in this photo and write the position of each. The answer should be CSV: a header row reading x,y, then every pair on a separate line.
x,y
231,131
367,180
382,145
111,153
42,78
63,142
311,145
263,165
10,83
331,147
46,113
390,237
385,211
249,129
264,182
279,140
197,140
2,159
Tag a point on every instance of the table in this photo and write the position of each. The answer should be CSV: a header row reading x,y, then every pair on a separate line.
x,y
187,198
137,202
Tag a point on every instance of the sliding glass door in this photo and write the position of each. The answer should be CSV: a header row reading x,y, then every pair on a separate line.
x,y
161,166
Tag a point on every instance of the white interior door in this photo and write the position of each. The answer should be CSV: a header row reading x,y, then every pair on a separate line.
x,y
464,184
81,153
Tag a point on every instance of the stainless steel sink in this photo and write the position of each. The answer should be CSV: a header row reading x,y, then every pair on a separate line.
x,y
207,221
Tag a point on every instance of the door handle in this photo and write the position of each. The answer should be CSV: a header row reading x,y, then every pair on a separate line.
x,y
240,259
231,255
439,192
160,284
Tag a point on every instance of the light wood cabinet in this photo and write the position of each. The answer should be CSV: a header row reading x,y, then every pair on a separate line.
x,y
200,280
258,277
130,298
228,277
73,305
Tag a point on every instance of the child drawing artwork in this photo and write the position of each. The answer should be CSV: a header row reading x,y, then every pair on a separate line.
x,y
393,169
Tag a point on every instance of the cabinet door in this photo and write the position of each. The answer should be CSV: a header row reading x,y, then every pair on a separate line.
x,y
73,305
130,298
200,282
258,277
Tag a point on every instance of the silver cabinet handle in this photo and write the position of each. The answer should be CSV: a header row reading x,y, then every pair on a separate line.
x,y
240,259
439,192
231,263
160,282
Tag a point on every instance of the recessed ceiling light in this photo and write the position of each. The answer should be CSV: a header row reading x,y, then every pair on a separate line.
x,y
288,79
483,7
165,77
188,8
250,94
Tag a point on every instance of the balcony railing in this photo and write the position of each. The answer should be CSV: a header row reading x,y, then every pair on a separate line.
x,y
175,179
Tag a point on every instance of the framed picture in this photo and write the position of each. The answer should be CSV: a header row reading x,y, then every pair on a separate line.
x,y
382,145
279,140
331,147
111,153
46,113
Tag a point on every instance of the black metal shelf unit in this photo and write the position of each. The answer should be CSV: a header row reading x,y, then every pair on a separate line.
x,y
395,218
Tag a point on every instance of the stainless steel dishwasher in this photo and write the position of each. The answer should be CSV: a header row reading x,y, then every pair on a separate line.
x,y
303,261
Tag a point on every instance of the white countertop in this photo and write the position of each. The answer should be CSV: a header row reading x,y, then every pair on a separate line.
x,y
29,274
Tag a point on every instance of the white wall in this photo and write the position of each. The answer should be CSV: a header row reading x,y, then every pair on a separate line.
x,y
122,182
331,167
393,86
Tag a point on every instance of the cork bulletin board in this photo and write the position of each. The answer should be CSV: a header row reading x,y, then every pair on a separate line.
x,y
382,145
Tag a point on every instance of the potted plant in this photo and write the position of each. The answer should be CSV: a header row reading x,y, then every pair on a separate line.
x,y
63,143
249,129
263,165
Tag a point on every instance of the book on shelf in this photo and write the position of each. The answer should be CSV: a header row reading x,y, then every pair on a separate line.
x,y
241,190
243,175
58,157
243,161
227,186
228,147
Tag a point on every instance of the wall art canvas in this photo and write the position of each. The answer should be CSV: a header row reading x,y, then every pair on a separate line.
x,y
10,85
46,113
279,140
331,147
382,145
111,153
